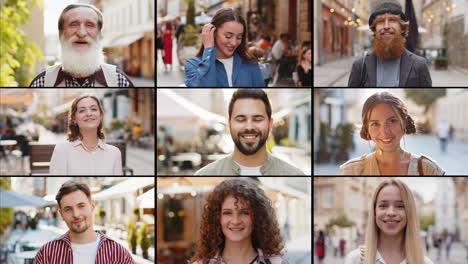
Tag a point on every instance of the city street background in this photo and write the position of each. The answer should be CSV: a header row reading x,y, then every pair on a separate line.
x,y
40,117
341,209
29,214
342,35
290,196
193,130
336,74
334,108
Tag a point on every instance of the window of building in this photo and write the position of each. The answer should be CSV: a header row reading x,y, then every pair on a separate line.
x,y
328,197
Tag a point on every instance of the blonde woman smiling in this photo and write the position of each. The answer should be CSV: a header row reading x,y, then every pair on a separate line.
x,y
385,120
86,153
392,235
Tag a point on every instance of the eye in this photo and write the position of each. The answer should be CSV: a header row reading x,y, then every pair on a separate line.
x,y
374,124
241,120
226,213
382,206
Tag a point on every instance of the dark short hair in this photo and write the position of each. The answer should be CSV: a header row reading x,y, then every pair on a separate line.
x,y
250,93
71,186
72,6
284,35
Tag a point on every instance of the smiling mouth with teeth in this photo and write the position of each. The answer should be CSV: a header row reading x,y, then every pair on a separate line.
x,y
236,229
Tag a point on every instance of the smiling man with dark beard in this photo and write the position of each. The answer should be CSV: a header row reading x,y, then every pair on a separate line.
x,y
389,64
81,53
250,123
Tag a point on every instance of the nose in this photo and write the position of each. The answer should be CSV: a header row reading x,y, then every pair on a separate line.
x,y
235,220
386,23
81,32
386,129
249,124
391,210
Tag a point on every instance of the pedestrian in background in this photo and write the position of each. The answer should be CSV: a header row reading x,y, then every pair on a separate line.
x,y
320,247
280,49
168,35
258,54
304,69
179,35
335,244
443,129
159,42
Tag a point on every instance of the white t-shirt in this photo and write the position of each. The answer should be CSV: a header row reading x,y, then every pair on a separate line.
x,y
85,253
355,257
249,170
228,66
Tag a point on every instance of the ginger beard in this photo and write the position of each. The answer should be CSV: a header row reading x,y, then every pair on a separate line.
x,y
388,44
82,61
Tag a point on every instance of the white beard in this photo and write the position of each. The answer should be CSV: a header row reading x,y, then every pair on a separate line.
x,y
81,63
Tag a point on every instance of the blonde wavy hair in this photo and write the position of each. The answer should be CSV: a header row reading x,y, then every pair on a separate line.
x,y
413,247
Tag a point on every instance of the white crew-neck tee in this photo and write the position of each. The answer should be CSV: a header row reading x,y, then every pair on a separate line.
x,y
85,253
249,170
228,66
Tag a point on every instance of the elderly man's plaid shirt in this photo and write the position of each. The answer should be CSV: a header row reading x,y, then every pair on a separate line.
x,y
122,80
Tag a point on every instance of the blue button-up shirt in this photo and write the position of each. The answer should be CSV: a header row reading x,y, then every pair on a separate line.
x,y
206,71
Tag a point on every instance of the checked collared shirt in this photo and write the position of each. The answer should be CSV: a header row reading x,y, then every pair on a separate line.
x,y
60,251
90,81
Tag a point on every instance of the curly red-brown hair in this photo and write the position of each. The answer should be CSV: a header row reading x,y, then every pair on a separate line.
x,y
265,234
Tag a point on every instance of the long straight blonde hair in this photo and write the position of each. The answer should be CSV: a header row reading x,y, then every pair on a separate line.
x,y
411,237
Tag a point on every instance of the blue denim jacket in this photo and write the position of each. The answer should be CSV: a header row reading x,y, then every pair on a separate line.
x,y
206,71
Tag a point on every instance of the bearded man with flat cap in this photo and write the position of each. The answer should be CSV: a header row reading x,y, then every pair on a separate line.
x,y
389,64
82,58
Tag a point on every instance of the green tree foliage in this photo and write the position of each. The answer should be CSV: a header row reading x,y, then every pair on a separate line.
x,y
6,214
17,55
341,221
427,220
144,240
190,12
425,97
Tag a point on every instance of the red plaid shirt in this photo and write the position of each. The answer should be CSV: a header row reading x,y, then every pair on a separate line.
x,y
59,250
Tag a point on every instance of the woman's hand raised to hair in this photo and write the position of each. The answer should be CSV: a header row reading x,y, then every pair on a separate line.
x,y
208,35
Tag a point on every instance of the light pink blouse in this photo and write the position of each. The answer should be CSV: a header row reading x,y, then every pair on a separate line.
x,y
71,158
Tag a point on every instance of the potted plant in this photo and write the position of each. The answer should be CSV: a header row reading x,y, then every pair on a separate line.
x,y
132,236
144,240
441,63
323,154
102,215
344,133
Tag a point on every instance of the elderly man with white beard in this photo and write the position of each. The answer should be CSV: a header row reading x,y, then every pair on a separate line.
x,y
82,56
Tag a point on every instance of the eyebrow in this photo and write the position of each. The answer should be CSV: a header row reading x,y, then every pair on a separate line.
x,y
85,106
254,116
233,33
386,119
78,20
242,209
385,201
72,206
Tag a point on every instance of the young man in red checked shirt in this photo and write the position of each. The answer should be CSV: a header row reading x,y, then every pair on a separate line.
x,y
81,244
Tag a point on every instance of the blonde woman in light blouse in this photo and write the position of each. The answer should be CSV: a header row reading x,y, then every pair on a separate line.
x,y
393,231
86,153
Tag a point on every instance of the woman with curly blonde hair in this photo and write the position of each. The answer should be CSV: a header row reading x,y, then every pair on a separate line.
x,y
392,234
239,226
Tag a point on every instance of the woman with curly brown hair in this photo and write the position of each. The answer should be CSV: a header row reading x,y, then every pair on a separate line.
x,y
239,226
385,120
